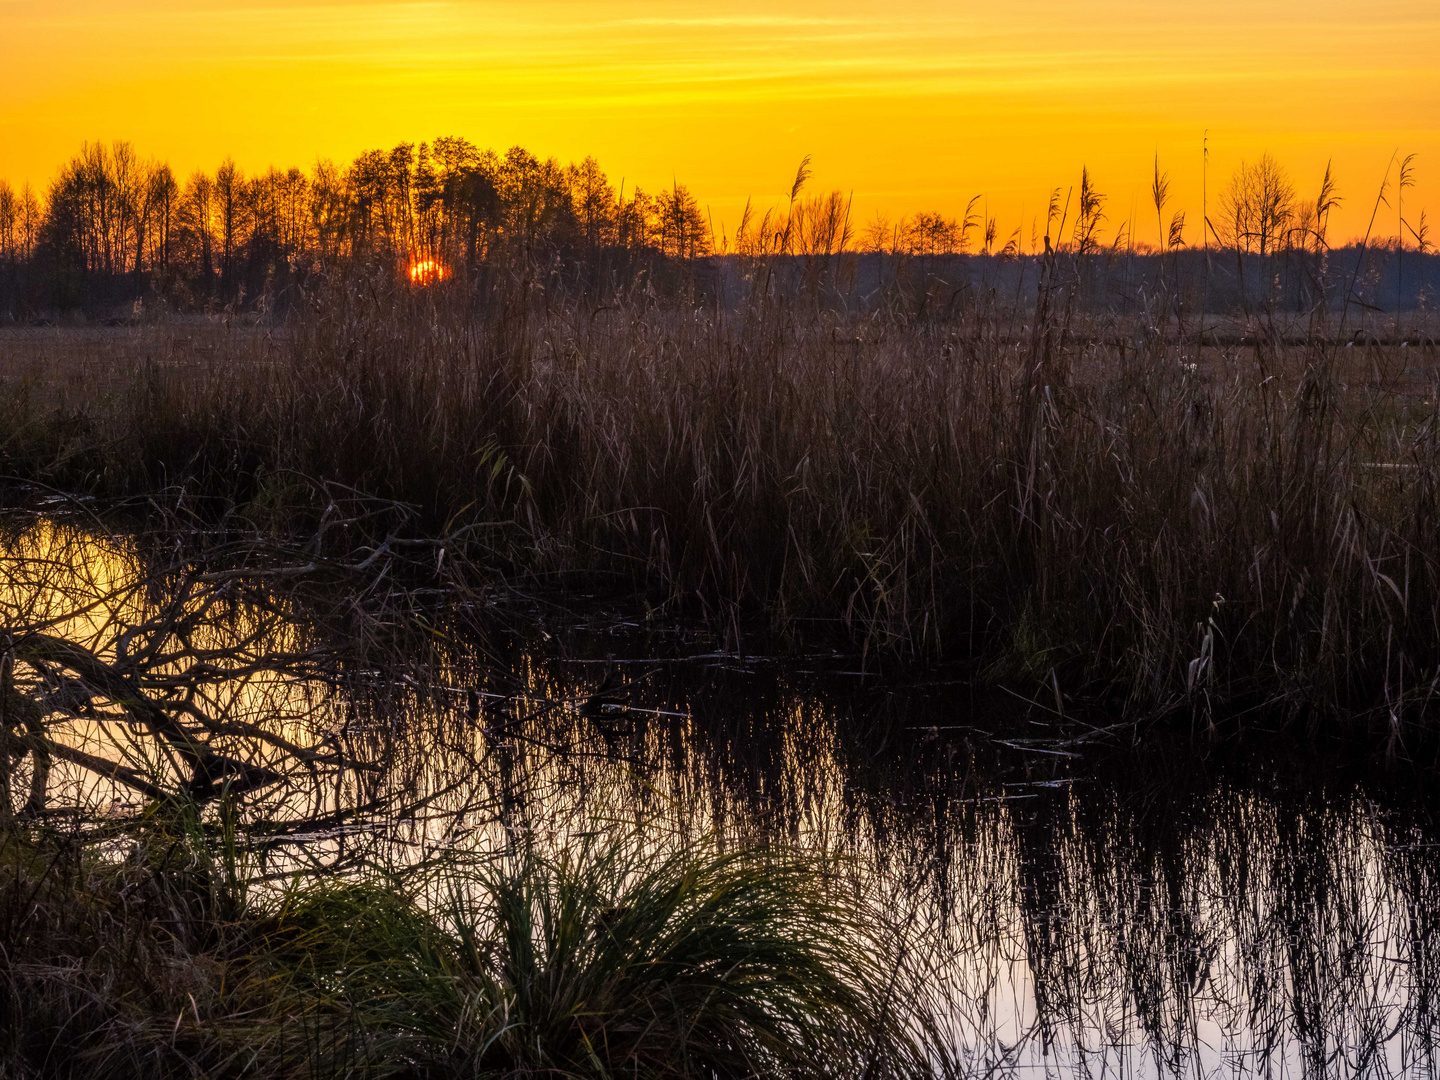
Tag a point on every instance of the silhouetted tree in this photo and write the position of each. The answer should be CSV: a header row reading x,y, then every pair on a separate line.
x,y
682,230
231,218
195,224
594,201
1257,205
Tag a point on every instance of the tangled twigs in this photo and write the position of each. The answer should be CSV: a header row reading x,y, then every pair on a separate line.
x,y
160,680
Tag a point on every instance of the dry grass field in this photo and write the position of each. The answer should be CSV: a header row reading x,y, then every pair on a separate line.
x,y
76,364
1082,502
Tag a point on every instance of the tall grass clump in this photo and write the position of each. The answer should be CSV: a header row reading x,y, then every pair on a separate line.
x,y
727,964
1049,493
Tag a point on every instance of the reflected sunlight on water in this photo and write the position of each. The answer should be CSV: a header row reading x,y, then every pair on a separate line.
x,y
1088,906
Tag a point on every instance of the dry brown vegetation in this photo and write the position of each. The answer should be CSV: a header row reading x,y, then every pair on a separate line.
x,y
1099,505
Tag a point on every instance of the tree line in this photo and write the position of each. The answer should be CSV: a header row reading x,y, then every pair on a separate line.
x,y
114,226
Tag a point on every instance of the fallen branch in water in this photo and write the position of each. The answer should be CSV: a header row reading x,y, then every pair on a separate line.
x,y
174,673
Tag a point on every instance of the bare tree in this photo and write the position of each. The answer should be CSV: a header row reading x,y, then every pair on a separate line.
x,y
1257,205
594,202
879,234
328,210
9,213
28,221
230,216
196,219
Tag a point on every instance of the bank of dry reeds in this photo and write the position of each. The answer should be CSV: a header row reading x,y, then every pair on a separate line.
x,y
1091,504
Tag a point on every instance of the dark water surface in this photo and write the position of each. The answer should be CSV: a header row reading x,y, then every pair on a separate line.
x,y
1096,902
1093,898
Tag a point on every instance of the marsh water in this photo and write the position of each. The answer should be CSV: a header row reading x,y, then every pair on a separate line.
x,y
1095,898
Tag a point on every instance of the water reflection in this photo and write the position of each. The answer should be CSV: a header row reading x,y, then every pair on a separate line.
x,y
1091,903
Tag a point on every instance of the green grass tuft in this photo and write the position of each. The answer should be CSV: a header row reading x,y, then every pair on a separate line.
x,y
605,958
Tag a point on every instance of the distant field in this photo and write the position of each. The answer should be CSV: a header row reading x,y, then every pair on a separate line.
x,y
83,359
75,363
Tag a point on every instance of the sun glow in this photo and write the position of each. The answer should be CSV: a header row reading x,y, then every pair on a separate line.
x,y
427,272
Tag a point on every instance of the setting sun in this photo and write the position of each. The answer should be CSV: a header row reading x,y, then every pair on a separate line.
x,y
427,272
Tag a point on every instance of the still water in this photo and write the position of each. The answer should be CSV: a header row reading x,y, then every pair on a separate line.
x,y
1092,898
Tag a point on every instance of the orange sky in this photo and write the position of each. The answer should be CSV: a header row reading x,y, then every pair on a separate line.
x,y
913,104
